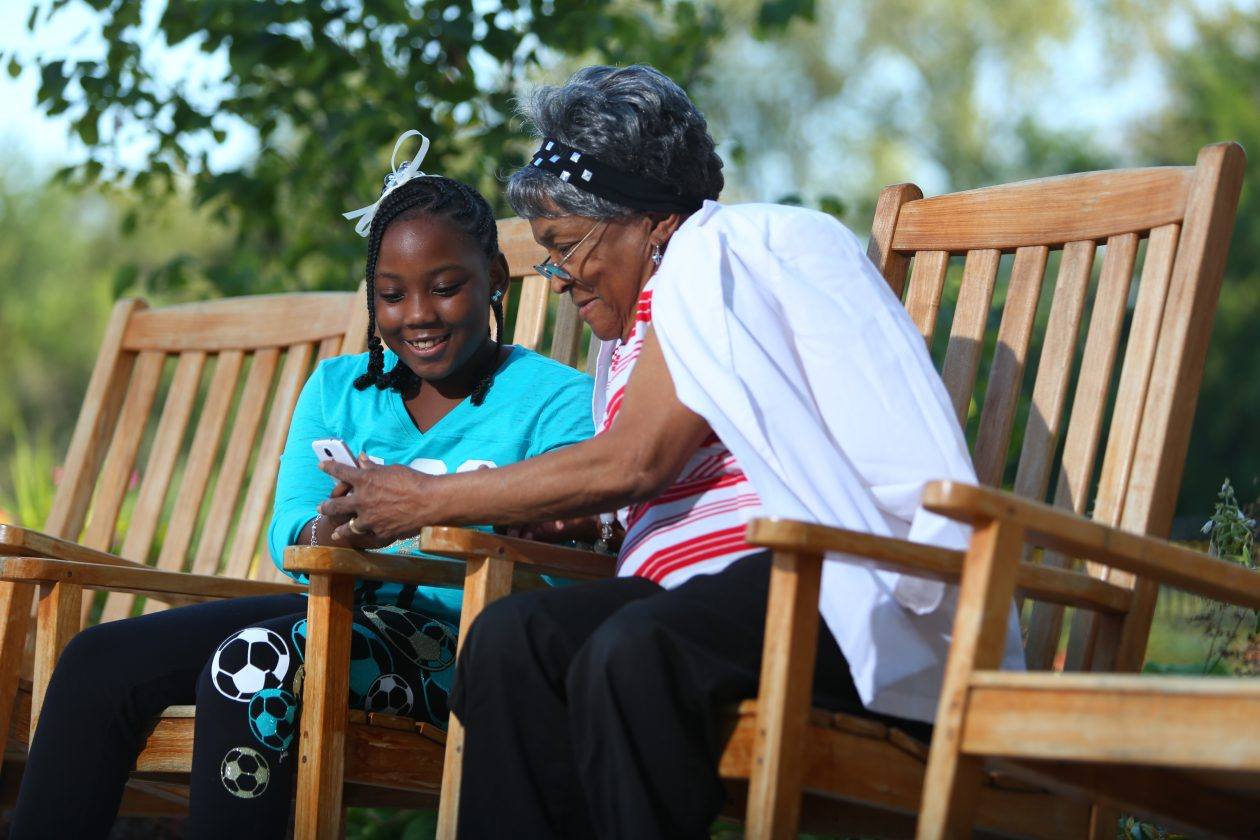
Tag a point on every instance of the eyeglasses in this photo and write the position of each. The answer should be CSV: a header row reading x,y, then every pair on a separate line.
x,y
555,270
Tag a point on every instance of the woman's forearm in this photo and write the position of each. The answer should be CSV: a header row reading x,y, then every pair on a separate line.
x,y
591,477
651,440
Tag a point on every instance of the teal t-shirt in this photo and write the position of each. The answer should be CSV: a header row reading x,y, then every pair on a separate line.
x,y
535,405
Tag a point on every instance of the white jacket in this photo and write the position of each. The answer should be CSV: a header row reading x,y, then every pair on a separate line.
x,y
780,332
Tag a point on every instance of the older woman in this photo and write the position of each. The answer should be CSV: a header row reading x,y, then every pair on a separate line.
x,y
754,362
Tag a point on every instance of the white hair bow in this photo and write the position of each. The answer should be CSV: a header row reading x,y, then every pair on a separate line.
x,y
398,175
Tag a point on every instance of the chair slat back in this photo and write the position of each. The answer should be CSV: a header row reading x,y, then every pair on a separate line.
x,y
1174,222
174,457
150,474
536,308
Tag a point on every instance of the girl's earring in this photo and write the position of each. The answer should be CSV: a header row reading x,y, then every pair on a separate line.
x,y
656,254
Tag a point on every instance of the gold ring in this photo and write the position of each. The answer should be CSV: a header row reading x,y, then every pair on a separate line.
x,y
354,527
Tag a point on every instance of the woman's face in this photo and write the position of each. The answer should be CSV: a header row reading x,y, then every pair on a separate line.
x,y
433,286
609,269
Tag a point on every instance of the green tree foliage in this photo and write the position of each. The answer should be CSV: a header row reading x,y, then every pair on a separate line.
x,y
819,101
62,260
1214,94
326,87
850,97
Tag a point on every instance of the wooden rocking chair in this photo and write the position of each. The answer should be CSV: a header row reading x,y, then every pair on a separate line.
x,y
858,775
1182,751
210,532
1186,216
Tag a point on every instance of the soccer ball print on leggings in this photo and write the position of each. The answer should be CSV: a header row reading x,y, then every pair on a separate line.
x,y
390,695
273,714
427,642
245,773
369,658
249,661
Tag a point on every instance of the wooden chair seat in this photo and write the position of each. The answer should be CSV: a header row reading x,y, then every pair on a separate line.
x,y
1184,750
388,766
377,752
385,764
850,759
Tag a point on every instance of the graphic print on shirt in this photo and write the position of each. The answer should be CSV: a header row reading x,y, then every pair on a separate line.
x,y
436,466
696,526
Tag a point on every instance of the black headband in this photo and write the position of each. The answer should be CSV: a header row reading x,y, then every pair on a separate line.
x,y
618,186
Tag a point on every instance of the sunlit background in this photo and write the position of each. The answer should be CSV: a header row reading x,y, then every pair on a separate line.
x,y
190,150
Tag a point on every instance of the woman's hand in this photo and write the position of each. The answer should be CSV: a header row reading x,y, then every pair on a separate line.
x,y
327,526
383,502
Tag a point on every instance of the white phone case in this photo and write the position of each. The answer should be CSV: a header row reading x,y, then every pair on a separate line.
x,y
332,449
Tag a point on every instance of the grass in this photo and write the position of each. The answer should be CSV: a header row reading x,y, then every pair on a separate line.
x,y
1176,642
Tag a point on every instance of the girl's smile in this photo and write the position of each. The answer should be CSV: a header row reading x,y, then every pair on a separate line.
x,y
428,347
432,301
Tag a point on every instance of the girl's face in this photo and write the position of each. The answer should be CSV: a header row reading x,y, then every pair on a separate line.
x,y
433,285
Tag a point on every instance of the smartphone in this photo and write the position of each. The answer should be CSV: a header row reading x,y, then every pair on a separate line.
x,y
332,449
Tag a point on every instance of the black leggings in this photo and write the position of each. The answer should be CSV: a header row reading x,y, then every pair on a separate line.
x,y
592,710
241,662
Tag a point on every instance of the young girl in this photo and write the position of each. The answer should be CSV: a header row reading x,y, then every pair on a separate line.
x,y
441,396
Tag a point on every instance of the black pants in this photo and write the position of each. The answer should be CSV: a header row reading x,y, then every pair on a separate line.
x,y
241,661
591,710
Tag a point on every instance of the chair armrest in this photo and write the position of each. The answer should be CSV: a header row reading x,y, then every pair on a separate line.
x,y
1043,583
1076,536
459,544
372,565
140,579
539,557
16,540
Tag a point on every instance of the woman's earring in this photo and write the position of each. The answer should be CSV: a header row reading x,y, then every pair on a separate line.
x,y
656,254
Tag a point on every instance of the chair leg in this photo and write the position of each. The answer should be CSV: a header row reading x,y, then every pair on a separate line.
x,y
486,579
59,618
787,676
325,703
951,784
1103,820
15,623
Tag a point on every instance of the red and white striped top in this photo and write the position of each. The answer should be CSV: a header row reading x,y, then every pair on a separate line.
x,y
696,526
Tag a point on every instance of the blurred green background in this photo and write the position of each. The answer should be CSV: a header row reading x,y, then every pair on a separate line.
x,y
183,150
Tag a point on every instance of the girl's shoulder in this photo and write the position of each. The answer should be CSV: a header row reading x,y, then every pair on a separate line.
x,y
526,368
342,367
530,381
336,375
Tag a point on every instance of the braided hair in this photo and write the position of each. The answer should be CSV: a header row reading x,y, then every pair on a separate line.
x,y
466,209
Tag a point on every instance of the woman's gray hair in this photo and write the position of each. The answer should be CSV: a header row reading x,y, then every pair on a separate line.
x,y
634,118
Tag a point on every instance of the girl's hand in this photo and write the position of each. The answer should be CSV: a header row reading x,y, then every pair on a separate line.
x,y
383,502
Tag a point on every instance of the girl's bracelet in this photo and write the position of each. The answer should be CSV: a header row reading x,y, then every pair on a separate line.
x,y
315,528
